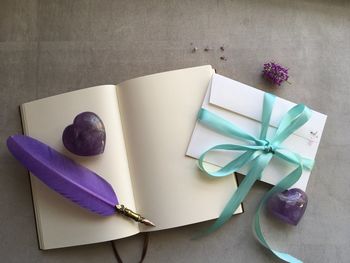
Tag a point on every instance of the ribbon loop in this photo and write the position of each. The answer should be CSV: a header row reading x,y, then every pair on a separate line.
x,y
259,155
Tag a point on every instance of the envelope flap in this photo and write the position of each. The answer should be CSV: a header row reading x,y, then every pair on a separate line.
x,y
248,101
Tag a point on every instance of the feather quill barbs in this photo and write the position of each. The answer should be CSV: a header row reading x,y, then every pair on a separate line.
x,y
73,181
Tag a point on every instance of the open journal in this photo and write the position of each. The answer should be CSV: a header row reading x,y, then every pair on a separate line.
x,y
148,122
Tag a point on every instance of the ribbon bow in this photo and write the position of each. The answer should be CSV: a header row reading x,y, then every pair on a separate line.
x,y
259,153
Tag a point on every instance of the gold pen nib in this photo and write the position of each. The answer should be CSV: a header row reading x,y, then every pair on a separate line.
x,y
121,209
147,222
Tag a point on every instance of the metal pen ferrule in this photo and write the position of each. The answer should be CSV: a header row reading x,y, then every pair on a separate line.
x,y
121,209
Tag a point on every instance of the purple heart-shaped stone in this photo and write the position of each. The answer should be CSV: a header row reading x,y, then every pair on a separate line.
x,y
86,136
289,205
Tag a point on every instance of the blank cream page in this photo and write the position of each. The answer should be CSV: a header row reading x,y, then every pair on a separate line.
x,y
158,114
61,223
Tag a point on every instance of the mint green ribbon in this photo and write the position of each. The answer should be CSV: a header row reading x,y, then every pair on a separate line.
x,y
258,153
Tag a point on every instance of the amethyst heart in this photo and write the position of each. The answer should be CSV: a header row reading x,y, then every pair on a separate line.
x,y
289,205
86,136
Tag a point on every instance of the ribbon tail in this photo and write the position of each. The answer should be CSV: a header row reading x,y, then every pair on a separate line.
x,y
284,184
258,165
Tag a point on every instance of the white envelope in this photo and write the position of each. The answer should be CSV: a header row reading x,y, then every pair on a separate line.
x,y
242,105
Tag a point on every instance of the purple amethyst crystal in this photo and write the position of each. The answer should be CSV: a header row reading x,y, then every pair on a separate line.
x,y
289,205
275,73
86,136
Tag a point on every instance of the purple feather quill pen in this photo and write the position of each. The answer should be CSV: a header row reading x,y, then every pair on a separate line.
x,y
73,181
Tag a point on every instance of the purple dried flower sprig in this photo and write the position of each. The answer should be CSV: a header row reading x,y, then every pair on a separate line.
x,y
275,73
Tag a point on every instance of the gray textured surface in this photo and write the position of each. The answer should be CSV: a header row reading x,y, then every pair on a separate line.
x,y
48,47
